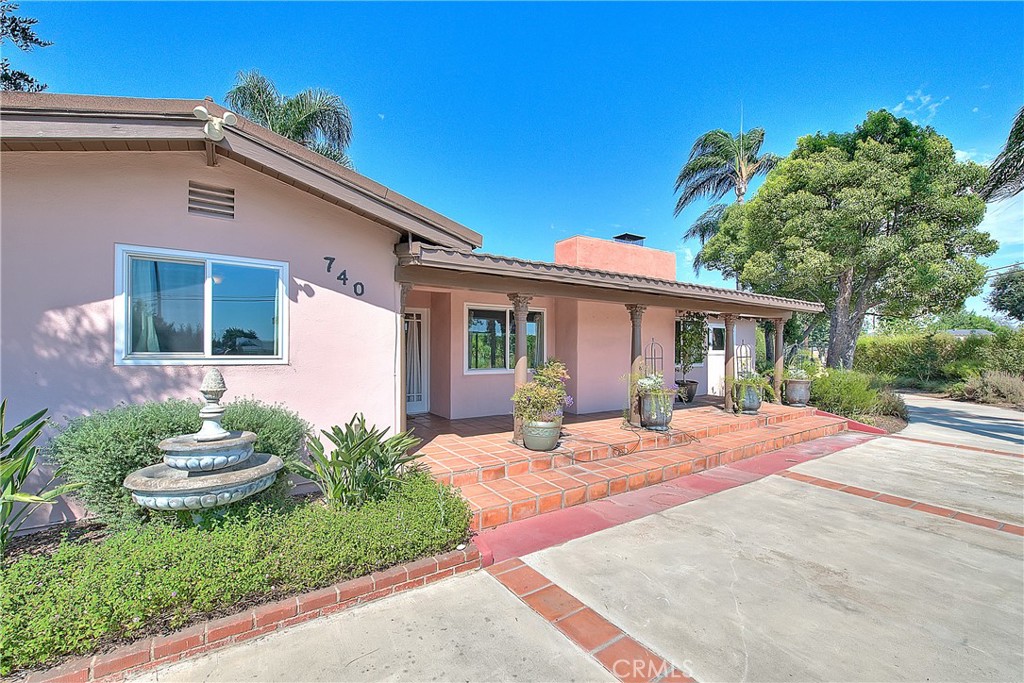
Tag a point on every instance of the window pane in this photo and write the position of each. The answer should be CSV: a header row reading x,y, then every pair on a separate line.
x,y
487,335
534,339
166,303
245,310
718,339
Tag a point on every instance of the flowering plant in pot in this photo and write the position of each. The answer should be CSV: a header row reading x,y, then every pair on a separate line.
x,y
655,401
691,348
748,390
539,404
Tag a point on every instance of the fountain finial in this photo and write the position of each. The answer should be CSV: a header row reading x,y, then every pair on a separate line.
x,y
212,389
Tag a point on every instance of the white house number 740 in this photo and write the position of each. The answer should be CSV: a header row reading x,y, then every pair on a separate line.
x,y
357,287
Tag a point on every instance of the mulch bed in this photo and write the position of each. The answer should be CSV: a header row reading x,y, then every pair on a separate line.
x,y
889,423
46,541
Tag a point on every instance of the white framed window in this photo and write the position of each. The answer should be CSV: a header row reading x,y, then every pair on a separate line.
x,y
716,338
175,307
491,339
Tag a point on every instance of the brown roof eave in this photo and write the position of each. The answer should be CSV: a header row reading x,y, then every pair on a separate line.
x,y
437,257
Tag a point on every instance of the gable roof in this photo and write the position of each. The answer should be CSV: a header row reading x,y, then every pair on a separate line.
x,y
59,122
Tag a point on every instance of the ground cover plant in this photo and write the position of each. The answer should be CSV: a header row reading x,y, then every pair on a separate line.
x,y
856,395
992,386
99,450
157,577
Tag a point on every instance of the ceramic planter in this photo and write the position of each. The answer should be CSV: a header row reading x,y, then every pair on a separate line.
x,y
542,436
687,389
656,410
798,392
749,401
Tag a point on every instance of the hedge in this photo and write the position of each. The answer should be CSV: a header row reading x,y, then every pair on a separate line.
x,y
158,577
930,357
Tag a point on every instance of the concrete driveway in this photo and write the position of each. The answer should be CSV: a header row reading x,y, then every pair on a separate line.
x,y
893,560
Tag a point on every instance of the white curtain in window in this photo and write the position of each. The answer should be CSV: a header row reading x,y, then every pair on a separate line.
x,y
144,302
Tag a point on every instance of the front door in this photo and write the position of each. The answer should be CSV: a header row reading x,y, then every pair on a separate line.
x,y
716,359
417,361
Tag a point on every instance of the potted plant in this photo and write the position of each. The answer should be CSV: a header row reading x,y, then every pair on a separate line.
x,y
691,348
799,374
798,386
655,401
539,404
748,390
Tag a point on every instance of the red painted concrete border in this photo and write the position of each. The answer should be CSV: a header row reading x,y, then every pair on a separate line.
x,y
908,503
958,446
617,652
210,635
557,527
853,425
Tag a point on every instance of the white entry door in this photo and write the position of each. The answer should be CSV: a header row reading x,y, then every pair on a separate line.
x,y
716,359
417,361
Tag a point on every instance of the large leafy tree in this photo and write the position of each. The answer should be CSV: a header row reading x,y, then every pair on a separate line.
x,y
1007,295
20,31
719,163
315,118
881,218
1006,174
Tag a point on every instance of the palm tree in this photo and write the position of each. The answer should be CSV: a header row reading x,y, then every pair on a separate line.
x,y
315,118
719,162
1006,173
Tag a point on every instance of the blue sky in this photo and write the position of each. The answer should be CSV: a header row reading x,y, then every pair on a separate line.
x,y
534,122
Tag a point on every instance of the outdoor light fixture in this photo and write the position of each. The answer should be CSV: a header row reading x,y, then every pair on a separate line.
x,y
214,127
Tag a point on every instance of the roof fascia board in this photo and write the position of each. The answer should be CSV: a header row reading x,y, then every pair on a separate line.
x,y
430,276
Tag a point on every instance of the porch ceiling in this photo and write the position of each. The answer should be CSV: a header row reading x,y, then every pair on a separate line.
x,y
428,266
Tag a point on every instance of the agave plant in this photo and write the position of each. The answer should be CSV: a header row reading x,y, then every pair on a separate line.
x,y
17,462
363,465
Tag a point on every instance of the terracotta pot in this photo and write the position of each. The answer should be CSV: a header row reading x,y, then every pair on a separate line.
x,y
542,436
798,392
656,410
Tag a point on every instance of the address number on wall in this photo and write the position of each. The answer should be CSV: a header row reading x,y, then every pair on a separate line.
x,y
357,287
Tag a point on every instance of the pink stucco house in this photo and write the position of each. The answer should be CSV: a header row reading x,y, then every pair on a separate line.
x,y
136,252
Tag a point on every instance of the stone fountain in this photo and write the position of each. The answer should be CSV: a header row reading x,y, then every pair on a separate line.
x,y
208,469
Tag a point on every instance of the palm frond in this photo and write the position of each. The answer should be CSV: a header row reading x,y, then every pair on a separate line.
x,y
707,224
1006,172
255,97
318,114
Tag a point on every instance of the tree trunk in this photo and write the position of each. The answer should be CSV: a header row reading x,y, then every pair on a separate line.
x,y
840,354
769,343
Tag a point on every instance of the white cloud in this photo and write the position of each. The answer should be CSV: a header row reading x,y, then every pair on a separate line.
x,y
381,116
920,106
975,110
972,155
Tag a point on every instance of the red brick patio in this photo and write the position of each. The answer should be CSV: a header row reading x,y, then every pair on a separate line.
x,y
599,455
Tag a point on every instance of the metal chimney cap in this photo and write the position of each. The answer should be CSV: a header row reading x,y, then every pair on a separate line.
x,y
630,238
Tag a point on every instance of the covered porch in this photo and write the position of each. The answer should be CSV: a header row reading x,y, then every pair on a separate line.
x,y
603,325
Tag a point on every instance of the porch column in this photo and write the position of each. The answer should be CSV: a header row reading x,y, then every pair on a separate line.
x,y
520,309
780,357
636,356
406,287
730,359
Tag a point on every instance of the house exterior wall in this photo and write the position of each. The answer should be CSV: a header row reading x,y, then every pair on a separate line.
x,y
63,213
617,257
710,377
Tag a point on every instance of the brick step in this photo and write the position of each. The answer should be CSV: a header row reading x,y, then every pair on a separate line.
x,y
524,495
496,457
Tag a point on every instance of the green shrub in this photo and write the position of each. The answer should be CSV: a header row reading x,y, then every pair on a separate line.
x,y
99,450
158,577
363,465
890,403
844,392
1006,352
992,386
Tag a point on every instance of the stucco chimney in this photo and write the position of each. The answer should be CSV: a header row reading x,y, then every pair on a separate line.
x,y
618,256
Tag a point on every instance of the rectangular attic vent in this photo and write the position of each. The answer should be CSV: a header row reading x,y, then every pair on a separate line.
x,y
207,200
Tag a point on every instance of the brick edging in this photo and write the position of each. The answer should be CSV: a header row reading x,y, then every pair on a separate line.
x,y
217,633
853,425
